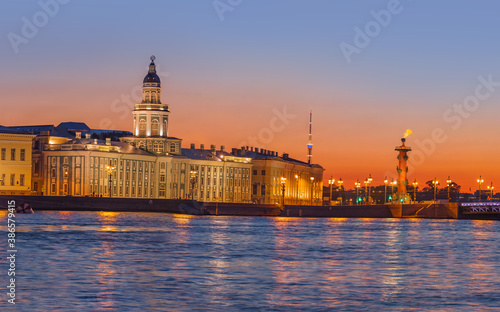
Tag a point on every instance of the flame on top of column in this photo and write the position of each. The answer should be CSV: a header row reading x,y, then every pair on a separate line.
x,y
407,133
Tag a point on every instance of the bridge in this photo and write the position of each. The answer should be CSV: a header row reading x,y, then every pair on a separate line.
x,y
481,208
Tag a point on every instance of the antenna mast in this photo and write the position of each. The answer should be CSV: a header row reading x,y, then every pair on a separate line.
x,y
310,144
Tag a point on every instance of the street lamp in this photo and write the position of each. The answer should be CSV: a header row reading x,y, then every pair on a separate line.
x,y
448,183
415,185
369,186
110,168
331,182
192,182
480,181
392,187
385,190
366,190
297,195
312,184
357,184
435,183
283,181
491,190
340,186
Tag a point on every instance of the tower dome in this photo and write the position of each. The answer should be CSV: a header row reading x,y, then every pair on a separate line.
x,y
151,76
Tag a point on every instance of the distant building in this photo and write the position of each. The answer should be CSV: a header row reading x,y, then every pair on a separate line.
x,y
303,184
15,162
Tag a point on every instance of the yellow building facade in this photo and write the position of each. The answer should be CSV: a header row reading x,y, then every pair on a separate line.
x,y
91,167
15,163
272,173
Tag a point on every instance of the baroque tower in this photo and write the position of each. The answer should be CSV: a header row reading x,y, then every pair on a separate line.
x,y
151,119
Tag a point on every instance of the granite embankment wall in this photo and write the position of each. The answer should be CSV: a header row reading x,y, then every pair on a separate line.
x,y
438,211
68,203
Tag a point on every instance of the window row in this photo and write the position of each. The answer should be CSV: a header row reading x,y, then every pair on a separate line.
x,y
13,182
22,154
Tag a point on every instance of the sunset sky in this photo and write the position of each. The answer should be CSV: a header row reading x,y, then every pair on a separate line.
x,y
231,70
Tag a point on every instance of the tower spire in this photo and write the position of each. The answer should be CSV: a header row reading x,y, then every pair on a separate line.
x,y
310,144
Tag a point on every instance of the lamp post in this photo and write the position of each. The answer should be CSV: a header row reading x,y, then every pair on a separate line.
x,y
312,184
297,195
480,181
435,183
192,182
385,190
283,181
340,187
110,168
491,190
448,184
357,185
366,190
331,182
415,185
369,187
392,188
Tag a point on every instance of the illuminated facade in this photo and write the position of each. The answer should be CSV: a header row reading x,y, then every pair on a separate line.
x,y
89,167
151,119
15,163
303,182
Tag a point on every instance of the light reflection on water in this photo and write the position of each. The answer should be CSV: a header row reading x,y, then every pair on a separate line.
x,y
101,261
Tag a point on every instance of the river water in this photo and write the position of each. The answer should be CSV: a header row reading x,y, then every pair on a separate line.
x,y
103,261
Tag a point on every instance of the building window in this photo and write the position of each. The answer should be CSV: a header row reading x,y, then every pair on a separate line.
x,y
53,172
162,178
263,172
13,154
12,179
255,172
2,181
21,179
162,165
142,127
254,189
155,128
65,160
36,169
23,154
4,152
53,188
263,190
172,148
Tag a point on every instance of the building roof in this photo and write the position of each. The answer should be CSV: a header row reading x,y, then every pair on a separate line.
x,y
284,158
74,126
94,144
35,129
10,131
201,154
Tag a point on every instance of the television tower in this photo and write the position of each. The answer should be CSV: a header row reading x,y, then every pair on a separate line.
x,y
310,144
